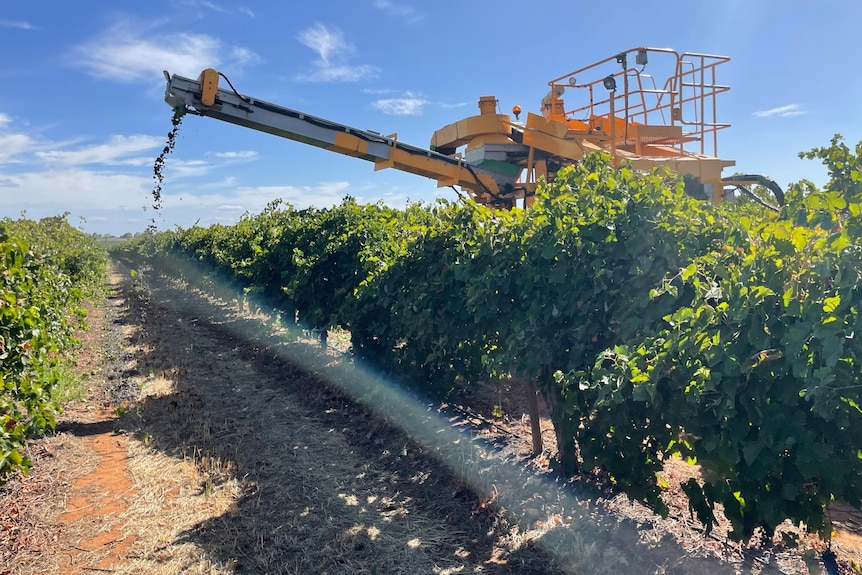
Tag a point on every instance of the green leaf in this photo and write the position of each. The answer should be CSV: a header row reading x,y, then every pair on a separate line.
x,y
830,304
15,457
689,271
751,451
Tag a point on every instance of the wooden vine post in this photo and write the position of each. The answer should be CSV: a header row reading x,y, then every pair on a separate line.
x,y
533,406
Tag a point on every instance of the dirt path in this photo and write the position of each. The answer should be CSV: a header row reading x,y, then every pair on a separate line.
x,y
227,457
97,500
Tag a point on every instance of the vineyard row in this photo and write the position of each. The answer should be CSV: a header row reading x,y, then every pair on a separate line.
x,y
655,325
47,268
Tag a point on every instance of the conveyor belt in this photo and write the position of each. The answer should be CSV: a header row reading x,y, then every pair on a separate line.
x,y
385,152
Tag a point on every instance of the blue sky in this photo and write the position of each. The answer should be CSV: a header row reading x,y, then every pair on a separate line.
x,y
82,115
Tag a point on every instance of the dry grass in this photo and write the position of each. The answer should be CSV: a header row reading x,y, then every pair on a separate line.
x,y
244,462
29,505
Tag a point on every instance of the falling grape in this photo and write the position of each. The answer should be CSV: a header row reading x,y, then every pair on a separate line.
x,y
159,164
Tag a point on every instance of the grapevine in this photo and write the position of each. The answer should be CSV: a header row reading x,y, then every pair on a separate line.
x,y
656,325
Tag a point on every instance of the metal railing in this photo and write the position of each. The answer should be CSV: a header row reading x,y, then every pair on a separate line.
x,y
687,98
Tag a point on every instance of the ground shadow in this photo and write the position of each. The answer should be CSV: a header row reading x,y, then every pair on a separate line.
x,y
81,429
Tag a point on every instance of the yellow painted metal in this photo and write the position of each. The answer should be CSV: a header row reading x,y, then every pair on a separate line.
x,y
349,145
550,127
446,174
487,105
706,169
552,104
550,136
465,131
644,135
209,86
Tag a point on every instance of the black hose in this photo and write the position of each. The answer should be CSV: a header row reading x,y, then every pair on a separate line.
x,y
754,197
740,179
240,96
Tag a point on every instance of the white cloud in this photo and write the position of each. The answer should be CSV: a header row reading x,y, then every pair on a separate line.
x,y
254,199
243,56
20,24
787,111
14,146
21,148
114,202
241,155
123,55
76,187
210,5
186,168
135,59
378,91
227,182
176,168
325,194
206,4
114,195
407,106
406,13
327,43
339,74
114,152
333,51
